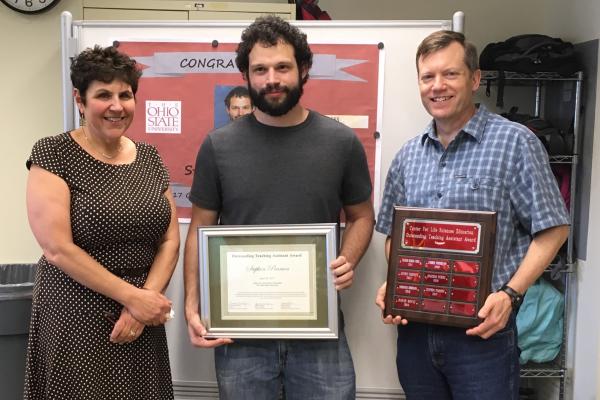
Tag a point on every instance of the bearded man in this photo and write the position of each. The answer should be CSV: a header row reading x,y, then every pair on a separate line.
x,y
283,164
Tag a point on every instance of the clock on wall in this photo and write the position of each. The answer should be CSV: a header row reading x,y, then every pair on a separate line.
x,y
30,6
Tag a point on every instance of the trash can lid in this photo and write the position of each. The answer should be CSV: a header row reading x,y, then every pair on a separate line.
x,y
16,281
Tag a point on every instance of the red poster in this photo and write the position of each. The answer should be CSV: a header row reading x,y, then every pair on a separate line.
x,y
180,98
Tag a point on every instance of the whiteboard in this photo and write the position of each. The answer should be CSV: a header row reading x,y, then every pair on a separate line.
x,y
372,344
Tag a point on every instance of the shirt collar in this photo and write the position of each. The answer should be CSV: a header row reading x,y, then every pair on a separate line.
x,y
475,127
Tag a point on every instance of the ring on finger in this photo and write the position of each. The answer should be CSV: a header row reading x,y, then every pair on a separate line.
x,y
132,333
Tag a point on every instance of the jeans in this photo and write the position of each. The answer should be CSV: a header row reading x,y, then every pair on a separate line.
x,y
438,362
306,369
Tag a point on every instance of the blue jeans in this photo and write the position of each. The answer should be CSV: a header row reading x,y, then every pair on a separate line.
x,y
438,362
306,369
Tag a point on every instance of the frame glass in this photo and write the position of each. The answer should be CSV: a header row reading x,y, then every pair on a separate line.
x,y
268,281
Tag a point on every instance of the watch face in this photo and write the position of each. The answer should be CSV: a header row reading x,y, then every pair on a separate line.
x,y
30,6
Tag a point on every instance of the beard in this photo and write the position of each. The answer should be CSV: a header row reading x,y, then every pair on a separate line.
x,y
291,98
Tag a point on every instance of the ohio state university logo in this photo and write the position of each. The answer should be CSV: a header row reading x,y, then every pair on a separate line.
x,y
163,116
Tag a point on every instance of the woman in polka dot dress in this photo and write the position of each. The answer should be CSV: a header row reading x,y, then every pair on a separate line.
x,y
100,207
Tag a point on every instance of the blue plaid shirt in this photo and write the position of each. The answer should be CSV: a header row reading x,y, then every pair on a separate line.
x,y
492,165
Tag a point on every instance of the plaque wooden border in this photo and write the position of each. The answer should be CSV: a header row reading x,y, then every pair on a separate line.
x,y
426,254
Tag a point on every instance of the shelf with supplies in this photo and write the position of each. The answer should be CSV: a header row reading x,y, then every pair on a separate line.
x,y
555,368
562,159
538,76
542,370
556,99
559,267
551,85
552,370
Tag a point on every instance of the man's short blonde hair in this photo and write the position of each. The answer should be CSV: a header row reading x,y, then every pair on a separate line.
x,y
441,39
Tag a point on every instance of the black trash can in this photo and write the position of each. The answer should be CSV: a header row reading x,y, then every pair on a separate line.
x,y
16,286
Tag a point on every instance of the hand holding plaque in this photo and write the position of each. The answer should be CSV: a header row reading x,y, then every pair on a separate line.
x,y
440,265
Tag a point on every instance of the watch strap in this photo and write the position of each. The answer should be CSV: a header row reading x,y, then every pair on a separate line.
x,y
516,298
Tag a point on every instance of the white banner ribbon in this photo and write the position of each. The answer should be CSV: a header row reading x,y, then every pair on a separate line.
x,y
325,66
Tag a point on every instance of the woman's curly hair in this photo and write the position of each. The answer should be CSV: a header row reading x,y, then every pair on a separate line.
x,y
104,64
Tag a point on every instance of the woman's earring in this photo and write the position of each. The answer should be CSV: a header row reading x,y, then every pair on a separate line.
x,y
81,119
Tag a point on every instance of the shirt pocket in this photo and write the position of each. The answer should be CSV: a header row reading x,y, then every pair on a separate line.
x,y
476,192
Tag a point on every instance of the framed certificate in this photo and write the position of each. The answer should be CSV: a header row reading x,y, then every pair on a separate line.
x,y
440,265
268,281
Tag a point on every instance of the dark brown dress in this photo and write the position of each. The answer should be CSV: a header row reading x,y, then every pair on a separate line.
x,y
118,215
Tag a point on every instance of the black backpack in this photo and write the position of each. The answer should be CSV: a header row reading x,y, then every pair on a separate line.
x,y
528,54
554,140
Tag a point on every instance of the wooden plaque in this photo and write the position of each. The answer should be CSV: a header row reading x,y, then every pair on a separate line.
x,y
440,265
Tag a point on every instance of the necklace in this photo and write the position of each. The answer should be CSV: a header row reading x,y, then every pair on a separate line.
x,y
110,157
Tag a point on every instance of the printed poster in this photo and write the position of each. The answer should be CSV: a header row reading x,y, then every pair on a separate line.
x,y
181,95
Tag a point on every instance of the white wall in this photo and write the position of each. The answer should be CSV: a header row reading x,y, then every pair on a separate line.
x,y
30,108
486,21
586,371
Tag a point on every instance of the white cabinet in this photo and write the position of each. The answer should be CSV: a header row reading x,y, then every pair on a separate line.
x,y
152,10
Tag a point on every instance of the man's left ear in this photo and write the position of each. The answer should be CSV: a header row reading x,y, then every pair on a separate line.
x,y
476,79
304,73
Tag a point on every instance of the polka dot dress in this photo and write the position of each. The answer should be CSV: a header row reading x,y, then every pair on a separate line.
x,y
118,215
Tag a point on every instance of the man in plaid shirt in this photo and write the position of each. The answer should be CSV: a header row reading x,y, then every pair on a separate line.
x,y
469,158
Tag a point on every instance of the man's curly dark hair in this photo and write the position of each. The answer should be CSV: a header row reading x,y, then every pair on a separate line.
x,y
104,64
269,30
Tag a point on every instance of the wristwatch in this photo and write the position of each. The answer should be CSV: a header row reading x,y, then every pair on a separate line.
x,y
516,298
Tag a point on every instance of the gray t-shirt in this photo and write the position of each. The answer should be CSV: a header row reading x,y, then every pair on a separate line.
x,y
254,174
